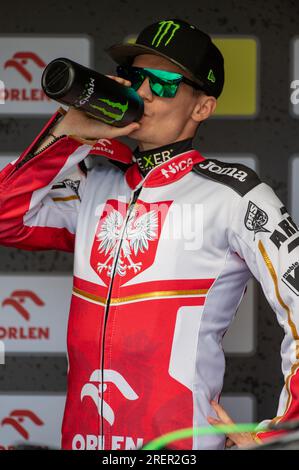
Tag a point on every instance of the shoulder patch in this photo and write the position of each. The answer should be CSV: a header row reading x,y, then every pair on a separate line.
x,y
235,175
72,184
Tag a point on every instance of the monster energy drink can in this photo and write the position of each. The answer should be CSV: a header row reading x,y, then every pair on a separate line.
x,y
99,96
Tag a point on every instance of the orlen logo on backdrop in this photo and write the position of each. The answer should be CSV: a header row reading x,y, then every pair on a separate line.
x,y
20,60
20,302
25,64
20,421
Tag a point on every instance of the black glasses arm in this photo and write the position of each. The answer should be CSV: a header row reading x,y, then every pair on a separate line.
x,y
193,84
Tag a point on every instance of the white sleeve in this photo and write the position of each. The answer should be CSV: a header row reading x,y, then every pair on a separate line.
x,y
266,237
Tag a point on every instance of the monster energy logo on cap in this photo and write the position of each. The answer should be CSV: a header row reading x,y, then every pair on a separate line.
x,y
113,115
211,76
166,31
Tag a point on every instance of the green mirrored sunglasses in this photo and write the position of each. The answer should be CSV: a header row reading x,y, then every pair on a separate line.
x,y
163,83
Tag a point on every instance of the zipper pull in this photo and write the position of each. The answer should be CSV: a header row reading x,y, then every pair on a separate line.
x,y
135,196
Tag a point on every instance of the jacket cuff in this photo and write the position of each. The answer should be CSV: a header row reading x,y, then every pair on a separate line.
x,y
112,149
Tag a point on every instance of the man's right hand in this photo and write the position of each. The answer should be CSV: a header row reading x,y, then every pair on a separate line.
x,y
77,123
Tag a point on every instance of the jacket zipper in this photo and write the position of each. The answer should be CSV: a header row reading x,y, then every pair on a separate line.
x,y
49,144
129,210
42,137
32,154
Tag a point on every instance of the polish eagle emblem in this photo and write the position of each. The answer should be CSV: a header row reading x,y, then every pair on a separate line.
x,y
136,235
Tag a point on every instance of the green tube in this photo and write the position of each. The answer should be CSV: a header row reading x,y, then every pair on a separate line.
x,y
162,441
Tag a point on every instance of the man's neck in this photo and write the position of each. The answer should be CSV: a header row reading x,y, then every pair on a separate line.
x,y
147,146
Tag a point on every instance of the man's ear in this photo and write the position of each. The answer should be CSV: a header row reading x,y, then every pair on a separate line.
x,y
204,107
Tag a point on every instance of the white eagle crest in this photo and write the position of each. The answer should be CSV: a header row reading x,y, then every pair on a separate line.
x,y
137,233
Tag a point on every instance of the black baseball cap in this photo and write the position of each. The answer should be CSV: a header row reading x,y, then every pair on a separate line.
x,y
184,45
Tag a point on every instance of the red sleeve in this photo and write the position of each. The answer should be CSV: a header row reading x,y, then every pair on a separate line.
x,y
36,213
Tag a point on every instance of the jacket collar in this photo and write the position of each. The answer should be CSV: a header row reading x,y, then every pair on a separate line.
x,y
166,173
149,159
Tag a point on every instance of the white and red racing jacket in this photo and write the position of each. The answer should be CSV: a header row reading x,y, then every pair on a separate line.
x,y
161,264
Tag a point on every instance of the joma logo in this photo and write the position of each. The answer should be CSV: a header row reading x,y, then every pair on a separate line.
x,y
227,170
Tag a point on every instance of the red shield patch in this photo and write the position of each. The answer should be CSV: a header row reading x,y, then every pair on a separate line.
x,y
126,239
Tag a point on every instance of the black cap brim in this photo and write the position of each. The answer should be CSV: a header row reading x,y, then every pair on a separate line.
x,y
121,53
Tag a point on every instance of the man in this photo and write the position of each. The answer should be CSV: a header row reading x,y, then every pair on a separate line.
x,y
163,250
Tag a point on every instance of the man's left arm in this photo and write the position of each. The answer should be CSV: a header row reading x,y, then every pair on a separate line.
x,y
265,236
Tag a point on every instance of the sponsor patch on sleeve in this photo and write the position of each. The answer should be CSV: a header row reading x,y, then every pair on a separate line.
x,y
235,175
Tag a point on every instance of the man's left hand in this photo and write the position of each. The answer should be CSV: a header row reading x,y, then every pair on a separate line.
x,y
243,439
